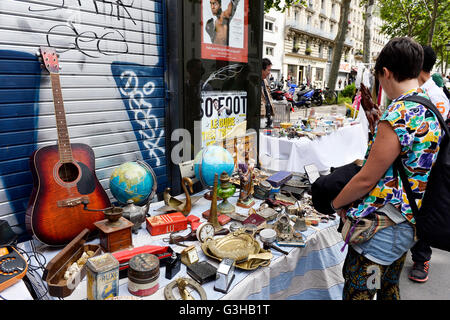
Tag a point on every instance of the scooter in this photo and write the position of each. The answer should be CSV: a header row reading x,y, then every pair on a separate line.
x,y
304,97
317,97
304,100
277,94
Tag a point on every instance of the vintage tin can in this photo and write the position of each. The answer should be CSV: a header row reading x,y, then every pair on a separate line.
x,y
102,277
143,274
166,223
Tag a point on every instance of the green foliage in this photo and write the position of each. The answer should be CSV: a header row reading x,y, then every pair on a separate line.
x,y
342,99
349,91
414,19
280,5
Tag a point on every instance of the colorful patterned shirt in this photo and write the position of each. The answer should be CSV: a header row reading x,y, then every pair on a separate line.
x,y
419,133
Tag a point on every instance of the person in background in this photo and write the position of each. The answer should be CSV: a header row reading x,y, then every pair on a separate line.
x,y
421,252
266,98
437,78
375,193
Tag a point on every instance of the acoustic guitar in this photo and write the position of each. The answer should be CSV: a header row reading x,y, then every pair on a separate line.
x,y
64,180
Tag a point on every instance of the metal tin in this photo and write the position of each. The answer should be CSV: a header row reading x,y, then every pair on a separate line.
x,y
268,235
234,226
102,277
143,274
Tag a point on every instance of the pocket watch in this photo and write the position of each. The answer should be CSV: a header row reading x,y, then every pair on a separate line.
x,y
189,255
205,231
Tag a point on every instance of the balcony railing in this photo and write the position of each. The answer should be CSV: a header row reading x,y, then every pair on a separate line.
x,y
315,31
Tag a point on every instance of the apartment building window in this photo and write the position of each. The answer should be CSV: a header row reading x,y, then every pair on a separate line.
x,y
333,10
322,5
330,53
321,24
308,20
311,4
268,26
320,51
331,27
319,74
269,51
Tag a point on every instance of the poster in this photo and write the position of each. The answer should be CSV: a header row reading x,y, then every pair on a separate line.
x,y
242,148
225,30
224,115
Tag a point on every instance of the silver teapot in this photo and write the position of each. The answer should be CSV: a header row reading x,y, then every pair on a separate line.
x,y
135,214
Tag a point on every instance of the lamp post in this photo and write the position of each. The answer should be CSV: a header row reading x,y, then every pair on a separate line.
x,y
447,47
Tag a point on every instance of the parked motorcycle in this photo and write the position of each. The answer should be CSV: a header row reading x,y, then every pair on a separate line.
x,y
304,97
277,94
317,97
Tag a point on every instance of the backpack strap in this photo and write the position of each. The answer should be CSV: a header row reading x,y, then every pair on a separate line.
x,y
398,166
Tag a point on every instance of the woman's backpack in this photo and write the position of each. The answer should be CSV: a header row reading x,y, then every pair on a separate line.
x,y
433,217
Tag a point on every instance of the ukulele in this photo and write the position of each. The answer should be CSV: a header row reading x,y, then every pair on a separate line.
x,y
64,180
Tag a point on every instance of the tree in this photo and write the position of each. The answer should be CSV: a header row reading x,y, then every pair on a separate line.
x,y
339,44
424,20
369,8
281,5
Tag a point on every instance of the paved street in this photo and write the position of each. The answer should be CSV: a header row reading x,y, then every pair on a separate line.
x,y
438,285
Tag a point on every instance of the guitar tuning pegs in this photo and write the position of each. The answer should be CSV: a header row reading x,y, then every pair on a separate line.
x,y
38,53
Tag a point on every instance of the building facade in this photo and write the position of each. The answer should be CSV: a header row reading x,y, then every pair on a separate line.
x,y
301,42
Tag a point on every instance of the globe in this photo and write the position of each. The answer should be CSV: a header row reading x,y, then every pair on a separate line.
x,y
212,160
132,181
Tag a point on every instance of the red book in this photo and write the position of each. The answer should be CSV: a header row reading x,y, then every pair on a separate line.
x,y
166,223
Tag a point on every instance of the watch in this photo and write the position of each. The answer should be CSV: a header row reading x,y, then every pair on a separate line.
x,y
205,231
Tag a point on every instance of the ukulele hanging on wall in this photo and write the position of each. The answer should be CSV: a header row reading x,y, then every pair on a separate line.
x,y
64,178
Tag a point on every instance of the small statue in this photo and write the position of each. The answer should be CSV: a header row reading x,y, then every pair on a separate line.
x,y
246,184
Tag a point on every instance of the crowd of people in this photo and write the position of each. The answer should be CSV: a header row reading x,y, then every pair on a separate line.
x,y
375,195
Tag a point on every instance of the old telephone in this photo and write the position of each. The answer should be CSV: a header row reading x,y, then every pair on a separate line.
x,y
13,266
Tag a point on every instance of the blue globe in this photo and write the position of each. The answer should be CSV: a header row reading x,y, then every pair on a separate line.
x,y
212,160
131,181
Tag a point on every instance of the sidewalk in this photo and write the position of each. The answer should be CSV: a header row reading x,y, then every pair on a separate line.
x,y
323,109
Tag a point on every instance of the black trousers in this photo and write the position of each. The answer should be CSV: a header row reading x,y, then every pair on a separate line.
x,y
421,251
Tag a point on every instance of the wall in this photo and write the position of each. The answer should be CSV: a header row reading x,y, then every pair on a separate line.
x,y
113,86
274,39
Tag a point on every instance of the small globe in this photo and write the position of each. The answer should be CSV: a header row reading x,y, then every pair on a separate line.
x,y
131,181
212,160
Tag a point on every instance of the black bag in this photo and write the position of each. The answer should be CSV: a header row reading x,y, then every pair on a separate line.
x,y
326,188
433,217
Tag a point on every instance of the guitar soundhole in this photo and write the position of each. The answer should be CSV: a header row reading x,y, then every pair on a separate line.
x,y
68,172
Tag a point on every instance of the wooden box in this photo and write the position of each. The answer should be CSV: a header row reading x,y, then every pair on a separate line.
x,y
166,223
115,236
55,269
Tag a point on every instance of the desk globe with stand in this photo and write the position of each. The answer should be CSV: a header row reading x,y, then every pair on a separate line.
x,y
210,161
133,184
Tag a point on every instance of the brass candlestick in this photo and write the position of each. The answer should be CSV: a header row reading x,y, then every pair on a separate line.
x,y
213,210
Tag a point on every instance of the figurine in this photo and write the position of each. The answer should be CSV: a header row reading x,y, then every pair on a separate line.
x,y
184,205
246,184
225,190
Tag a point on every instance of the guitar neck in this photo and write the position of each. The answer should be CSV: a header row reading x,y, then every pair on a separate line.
x,y
65,151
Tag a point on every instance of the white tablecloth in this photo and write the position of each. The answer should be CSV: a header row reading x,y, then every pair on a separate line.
x,y
311,272
336,149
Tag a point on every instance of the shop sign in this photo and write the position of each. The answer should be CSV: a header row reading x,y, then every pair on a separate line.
x,y
223,114
344,67
224,30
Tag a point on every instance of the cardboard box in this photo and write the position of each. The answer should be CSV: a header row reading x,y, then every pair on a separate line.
x,y
166,223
